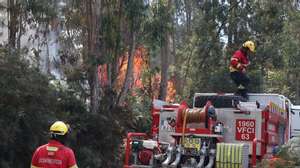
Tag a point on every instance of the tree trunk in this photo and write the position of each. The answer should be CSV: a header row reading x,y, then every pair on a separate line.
x,y
164,53
188,10
129,72
95,90
13,15
262,80
165,56
177,77
20,32
117,51
93,22
232,28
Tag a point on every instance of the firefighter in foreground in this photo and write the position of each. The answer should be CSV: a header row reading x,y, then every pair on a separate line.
x,y
238,65
55,154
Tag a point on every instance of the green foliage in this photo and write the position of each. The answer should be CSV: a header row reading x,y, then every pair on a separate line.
x,y
287,156
205,34
27,105
256,80
290,47
158,23
135,11
140,105
199,51
42,10
202,60
97,137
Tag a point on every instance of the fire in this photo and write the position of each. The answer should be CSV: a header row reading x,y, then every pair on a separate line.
x,y
171,91
140,63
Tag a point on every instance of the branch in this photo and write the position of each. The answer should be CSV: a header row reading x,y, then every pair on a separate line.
x,y
224,21
2,6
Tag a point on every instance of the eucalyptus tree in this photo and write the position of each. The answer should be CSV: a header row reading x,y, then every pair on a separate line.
x,y
158,32
291,55
83,45
22,14
199,48
134,13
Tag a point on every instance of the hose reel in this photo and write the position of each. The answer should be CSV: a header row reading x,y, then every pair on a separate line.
x,y
195,115
187,115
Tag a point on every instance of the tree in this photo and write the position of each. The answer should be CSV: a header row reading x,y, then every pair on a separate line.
x,y
291,54
159,34
165,49
27,106
93,51
134,13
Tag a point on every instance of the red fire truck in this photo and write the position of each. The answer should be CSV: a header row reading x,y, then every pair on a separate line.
x,y
221,131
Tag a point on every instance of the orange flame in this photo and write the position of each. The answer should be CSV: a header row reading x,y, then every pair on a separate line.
x,y
140,63
171,89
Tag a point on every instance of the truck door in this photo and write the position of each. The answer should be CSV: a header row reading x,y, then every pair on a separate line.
x,y
295,121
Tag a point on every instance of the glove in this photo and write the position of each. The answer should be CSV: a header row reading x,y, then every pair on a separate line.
x,y
245,65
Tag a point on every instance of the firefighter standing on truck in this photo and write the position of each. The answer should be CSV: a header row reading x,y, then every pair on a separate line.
x,y
238,64
55,154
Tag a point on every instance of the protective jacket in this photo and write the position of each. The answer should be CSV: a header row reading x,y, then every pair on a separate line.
x,y
53,155
238,62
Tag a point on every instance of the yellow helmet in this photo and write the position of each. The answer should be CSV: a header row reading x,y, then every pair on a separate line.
x,y
250,45
59,128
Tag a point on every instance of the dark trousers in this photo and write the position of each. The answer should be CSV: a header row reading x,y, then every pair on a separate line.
x,y
242,81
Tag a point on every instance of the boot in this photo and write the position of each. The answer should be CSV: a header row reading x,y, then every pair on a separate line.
x,y
244,94
238,92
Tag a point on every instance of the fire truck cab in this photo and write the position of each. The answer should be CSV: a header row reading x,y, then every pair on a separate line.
x,y
217,131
